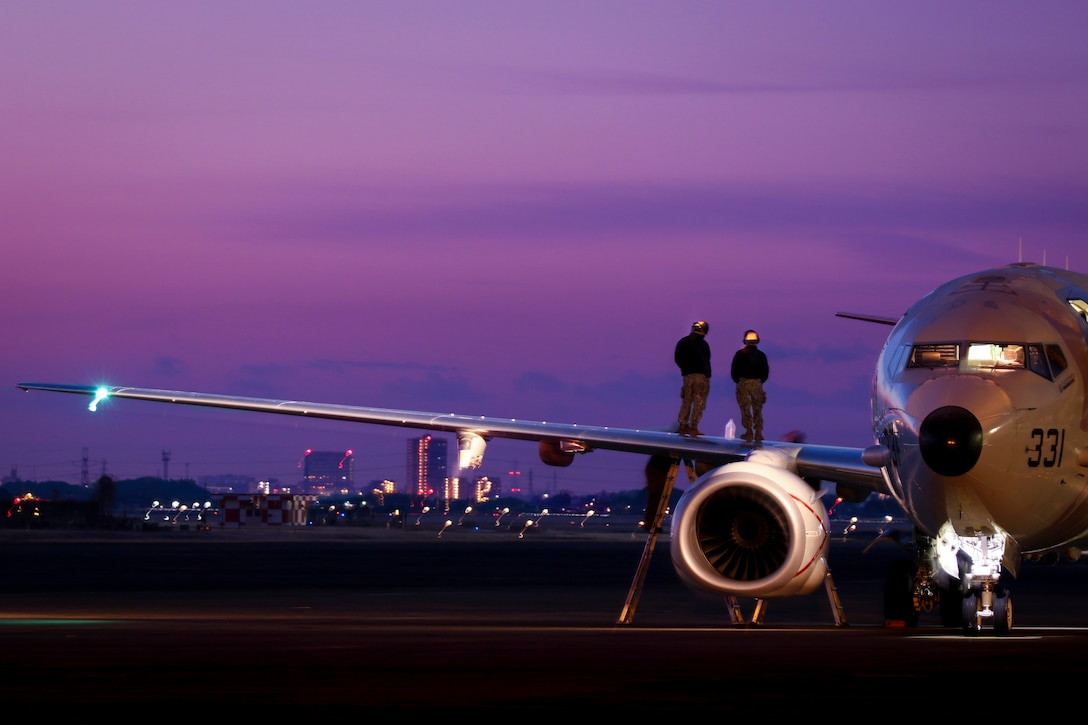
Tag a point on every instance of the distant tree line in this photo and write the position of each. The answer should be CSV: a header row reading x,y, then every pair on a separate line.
x,y
106,504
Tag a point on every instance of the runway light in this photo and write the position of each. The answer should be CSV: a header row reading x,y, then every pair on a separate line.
x,y
853,526
528,525
588,514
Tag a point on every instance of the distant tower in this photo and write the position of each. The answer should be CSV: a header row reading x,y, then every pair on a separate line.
x,y
85,478
427,468
166,465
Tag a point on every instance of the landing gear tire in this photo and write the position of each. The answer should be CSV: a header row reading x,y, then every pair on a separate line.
x,y
970,620
1002,611
899,594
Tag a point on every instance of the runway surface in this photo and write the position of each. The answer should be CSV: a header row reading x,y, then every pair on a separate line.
x,y
484,622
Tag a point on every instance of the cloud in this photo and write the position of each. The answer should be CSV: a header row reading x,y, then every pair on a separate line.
x,y
566,214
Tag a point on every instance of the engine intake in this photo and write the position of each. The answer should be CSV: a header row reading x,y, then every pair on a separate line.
x,y
751,529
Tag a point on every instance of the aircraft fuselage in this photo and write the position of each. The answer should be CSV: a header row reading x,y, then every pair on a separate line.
x,y
979,394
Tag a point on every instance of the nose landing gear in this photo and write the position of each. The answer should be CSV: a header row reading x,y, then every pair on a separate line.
x,y
990,605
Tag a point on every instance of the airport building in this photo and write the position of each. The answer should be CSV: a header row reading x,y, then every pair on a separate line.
x,y
328,472
261,510
428,471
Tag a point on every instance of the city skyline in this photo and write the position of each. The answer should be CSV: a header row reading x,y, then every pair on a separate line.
x,y
310,475
502,210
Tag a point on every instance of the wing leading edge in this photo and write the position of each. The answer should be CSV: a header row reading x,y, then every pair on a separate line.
x,y
859,468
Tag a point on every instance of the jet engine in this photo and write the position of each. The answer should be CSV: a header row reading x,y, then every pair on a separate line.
x,y
751,529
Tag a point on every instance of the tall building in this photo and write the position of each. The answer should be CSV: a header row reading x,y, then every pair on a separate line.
x,y
427,468
329,471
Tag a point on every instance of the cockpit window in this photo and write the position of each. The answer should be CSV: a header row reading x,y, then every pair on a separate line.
x,y
1057,359
1037,362
991,356
946,355
1081,308
1047,361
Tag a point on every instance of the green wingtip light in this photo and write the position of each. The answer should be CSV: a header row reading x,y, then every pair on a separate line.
x,y
99,395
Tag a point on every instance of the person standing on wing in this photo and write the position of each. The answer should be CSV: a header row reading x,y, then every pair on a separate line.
x,y
750,371
692,356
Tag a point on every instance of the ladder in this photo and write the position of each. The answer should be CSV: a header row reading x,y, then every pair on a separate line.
x,y
628,613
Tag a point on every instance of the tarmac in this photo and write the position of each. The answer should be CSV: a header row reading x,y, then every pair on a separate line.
x,y
492,622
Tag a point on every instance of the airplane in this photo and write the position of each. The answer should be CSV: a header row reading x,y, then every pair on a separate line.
x,y
980,425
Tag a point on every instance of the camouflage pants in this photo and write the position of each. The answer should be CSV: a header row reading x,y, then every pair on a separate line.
x,y
693,394
750,398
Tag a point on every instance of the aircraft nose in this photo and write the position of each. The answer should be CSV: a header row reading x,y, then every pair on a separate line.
x,y
950,440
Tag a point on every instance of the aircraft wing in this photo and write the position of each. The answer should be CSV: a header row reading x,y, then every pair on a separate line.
x,y
858,468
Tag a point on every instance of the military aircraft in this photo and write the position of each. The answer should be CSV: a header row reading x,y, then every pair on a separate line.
x,y
980,424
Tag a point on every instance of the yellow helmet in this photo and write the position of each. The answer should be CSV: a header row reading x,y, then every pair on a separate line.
x,y
751,337
701,327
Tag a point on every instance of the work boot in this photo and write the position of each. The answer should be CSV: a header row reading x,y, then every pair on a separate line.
x,y
747,435
693,430
683,430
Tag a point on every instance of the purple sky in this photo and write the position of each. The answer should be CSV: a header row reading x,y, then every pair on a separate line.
x,y
505,209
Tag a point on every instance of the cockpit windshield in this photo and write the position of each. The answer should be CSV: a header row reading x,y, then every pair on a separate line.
x,y
1047,361
994,356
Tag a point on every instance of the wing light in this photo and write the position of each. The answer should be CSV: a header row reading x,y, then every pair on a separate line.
x,y
470,449
99,395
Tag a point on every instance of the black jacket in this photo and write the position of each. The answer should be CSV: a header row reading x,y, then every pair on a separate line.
x,y
749,362
693,355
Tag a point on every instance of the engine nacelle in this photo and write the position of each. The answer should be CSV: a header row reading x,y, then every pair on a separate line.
x,y
751,529
559,453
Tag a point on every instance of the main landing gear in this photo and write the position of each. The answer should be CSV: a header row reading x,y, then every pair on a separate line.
x,y
918,586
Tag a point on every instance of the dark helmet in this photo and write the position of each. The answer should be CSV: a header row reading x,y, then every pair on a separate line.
x,y
701,327
751,337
